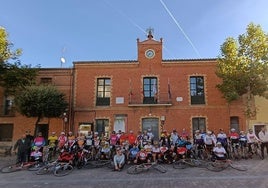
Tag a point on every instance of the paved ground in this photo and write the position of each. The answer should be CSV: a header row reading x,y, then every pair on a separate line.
x,y
255,177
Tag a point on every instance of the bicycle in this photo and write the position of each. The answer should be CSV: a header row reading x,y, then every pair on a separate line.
x,y
57,168
144,167
184,163
31,166
219,165
256,149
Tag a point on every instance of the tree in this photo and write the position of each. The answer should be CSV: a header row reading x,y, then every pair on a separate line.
x,y
243,67
41,101
13,75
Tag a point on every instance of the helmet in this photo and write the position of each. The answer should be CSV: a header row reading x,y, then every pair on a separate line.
x,y
232,129
218,143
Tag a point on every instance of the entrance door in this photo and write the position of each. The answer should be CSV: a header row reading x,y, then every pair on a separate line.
x,y
153,124
43,128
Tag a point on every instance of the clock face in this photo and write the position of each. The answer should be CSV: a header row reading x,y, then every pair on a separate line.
x,y
149,53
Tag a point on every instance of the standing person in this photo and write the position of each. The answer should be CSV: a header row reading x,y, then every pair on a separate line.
x,y
39,141
52,143
62,140
22,146
151,135
131,138
252,139
31,139
222,138
263,135
70,139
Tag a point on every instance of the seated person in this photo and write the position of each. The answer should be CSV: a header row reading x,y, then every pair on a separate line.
x,y
219,152
36,154
105,151
156,152
119,159
142,157
133,153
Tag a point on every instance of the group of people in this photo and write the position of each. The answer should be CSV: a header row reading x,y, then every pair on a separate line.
x,y
217,144
122,148
29,148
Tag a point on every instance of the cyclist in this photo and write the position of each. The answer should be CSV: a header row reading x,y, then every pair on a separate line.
x,y
222,138
133,153
219,152
243,143
156,152
209,141
119,160
263,135
142,157
52,142
36,154
234,140
252,139
62,140
39,141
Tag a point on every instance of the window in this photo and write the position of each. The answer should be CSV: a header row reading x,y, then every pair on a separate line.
x,y
199,123
6,132
103,92
120,123
102,126
150,90
197,90
46,81
8,108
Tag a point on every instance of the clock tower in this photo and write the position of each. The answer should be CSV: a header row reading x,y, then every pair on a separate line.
x,y
149,50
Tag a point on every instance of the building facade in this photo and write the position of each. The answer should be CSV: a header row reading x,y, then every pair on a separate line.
x,y
147,93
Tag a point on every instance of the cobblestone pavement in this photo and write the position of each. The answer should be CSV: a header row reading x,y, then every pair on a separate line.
x,y
255,177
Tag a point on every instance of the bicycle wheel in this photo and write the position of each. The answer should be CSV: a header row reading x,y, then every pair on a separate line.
x,y
212,166
238,167
258,152
199,163
179,165
63,169
36,166
45,169
136,169
10,168
160,168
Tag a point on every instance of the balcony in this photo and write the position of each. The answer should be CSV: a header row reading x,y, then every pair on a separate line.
x,y
162,99
7,111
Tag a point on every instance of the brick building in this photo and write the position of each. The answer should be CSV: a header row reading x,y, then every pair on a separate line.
x,y
135,95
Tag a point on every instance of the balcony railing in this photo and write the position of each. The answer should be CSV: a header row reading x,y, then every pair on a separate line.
x,y
7,111
162,99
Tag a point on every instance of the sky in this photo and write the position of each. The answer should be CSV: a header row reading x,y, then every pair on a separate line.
x,y
106,30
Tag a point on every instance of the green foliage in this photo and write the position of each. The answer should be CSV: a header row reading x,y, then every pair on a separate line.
x,y
13,75
243,64
41,101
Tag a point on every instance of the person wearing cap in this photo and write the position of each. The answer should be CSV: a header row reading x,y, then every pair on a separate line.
x,y
119,159
70,138
62,140
219,152
210,142
52,139
52,142
222,138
